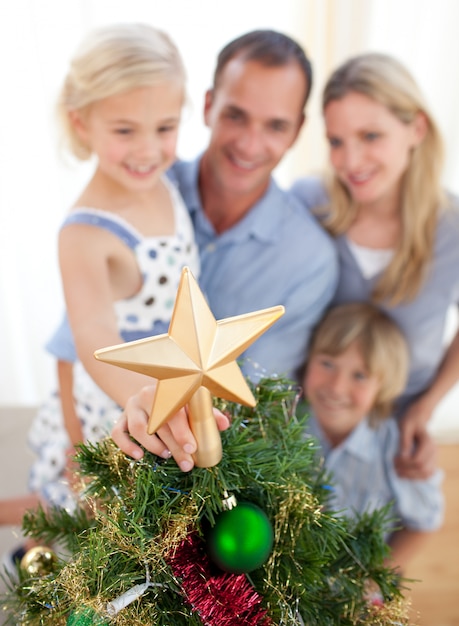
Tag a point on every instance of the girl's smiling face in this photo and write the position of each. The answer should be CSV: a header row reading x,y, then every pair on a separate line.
x,y
134,134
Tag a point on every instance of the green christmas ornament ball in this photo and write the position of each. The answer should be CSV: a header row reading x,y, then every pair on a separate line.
x,y
241,540
85,616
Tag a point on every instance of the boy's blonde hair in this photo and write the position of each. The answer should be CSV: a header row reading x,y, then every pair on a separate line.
x,y
385,80
112,60
382,345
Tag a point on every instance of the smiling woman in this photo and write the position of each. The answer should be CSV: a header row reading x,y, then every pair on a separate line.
x,y
384,195
369,151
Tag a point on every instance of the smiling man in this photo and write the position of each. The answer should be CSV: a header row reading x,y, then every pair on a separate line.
x,y
258,248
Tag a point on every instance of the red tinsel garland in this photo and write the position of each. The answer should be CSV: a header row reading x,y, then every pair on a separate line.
x,y
220,598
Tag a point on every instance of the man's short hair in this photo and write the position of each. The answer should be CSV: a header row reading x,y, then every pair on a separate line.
x,y
269,48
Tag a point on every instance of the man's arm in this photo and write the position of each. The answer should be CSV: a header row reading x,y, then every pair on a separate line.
x,y
283,348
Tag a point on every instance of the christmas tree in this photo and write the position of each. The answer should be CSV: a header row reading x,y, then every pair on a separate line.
x,y
137,548
244,539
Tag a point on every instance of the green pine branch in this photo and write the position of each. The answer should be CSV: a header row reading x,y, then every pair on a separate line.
x,y
140,511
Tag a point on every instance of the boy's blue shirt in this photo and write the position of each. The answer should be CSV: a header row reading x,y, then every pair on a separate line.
x,y
364,476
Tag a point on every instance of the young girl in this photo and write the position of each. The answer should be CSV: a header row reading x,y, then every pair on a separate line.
x,y
357,366
127,237
396,232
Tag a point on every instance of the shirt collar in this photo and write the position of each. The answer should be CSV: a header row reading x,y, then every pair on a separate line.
x,y
263,221
189,185
360,443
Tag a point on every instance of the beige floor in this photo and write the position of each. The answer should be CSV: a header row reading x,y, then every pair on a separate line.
x,y
435,598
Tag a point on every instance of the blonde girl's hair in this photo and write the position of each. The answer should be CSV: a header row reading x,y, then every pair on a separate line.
x,y
380,341
112,60
385,80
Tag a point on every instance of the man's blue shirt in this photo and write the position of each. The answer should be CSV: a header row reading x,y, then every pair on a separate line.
x,y
276,254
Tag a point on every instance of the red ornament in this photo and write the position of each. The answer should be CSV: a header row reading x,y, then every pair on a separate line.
x,y
220,599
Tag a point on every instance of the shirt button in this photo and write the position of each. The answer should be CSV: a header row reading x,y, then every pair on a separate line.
x,y
210,247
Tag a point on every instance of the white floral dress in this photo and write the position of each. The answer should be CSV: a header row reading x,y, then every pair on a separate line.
x,y
147,313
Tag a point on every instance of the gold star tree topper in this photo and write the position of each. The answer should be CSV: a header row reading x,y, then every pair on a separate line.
x,y
193,361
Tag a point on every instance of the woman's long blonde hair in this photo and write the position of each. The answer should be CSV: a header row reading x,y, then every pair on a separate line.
x,y
385,80
112,60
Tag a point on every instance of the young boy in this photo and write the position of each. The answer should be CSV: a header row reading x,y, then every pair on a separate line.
x,y
357,365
